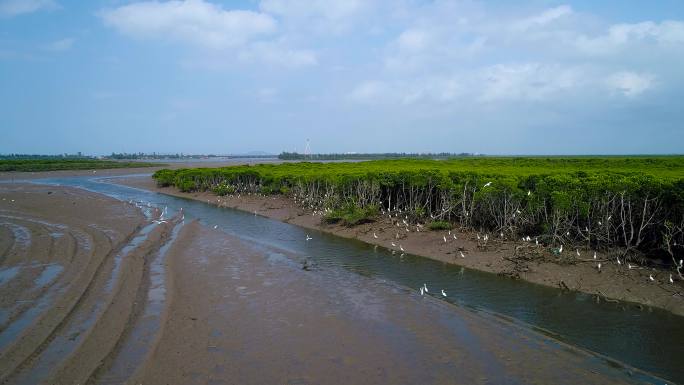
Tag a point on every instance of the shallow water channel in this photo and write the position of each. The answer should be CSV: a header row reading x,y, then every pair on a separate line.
x,y
649,340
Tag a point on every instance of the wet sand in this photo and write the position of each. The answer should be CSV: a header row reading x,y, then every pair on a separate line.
x,y
79,257
246,315
613,283
230,312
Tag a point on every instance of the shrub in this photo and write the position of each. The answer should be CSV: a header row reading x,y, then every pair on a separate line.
x,y
439,225
351,215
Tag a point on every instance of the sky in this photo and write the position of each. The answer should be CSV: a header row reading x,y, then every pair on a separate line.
x,y
229,77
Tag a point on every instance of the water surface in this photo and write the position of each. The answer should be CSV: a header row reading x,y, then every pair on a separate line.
x,y
649,340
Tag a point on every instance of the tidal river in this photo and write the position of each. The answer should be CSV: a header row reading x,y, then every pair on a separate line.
x,y
355,297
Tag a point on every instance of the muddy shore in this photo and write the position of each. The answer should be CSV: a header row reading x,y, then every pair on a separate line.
x,y
612,283
63,245
232,311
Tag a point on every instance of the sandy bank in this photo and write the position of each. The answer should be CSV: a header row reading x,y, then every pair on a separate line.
x,y
79,258
613,283
243,314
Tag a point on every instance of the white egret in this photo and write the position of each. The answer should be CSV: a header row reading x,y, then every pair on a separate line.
x,y
308,238
561,249
444,237
671,280
443,293
375,236
421,291
401,248
215,226
650,277
599,267
394,244
618,261
462,256
425,288
594,255
487,184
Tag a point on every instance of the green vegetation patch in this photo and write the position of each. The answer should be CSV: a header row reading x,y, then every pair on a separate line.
x,y
597,202
67,164
439,225
351,215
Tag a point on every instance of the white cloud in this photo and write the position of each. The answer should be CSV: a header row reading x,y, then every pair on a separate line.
x,y
528,81
621,36
630,84
60,45
191,21
227,35
9,8
543,18
369,92
321,15
278,54
497,83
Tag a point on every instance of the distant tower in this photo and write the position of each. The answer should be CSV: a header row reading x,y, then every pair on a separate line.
x,y
307,149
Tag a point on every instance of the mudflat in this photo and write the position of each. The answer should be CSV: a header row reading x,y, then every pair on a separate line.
x,y
508,258
82,303
241,314
70,274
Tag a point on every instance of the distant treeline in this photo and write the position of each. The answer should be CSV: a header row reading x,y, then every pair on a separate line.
x,y
154,155
53,164
39,156
370,156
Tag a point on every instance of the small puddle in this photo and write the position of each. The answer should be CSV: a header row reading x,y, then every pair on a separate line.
x,y
11,333
77,328
7,273
21,234
134,243
138,342
50,272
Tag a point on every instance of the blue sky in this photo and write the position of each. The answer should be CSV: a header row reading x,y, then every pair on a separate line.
x,y
200,76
